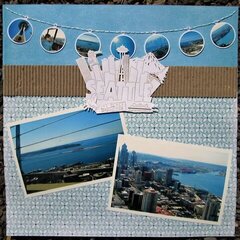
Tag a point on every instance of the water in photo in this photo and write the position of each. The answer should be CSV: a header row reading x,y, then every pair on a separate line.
x,y
66,149
169,179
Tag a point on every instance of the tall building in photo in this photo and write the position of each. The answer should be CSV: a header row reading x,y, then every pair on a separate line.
x,y
138,176
119,165
124,154
20,37
133,158
211,209
130,197
118,184
159,175
137,201
168,178
125,182
147,175
149,202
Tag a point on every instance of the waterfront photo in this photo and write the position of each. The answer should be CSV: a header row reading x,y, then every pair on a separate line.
x,y
168,179
53,39
87,42
20,31
158,45
191,43
62,150
222,35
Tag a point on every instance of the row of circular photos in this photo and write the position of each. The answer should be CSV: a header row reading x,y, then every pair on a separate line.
x,y
191,42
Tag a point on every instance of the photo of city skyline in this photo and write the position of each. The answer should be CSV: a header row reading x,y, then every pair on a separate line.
x,y
187,183
65,149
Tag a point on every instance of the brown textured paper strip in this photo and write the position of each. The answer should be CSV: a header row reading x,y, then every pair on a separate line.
x,y
68,81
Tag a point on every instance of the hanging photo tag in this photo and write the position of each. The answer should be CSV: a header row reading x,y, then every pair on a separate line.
x,y
20,30
53,40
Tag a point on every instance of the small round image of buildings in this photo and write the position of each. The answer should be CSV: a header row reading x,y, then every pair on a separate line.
x,y
222,35
20,31
53,39
191,43
158,45
121,42
87,42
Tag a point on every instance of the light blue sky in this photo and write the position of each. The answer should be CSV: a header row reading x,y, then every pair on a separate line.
x,y
70,122
121,18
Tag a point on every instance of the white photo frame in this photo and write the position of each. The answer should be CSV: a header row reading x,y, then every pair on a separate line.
x,y
9,28
148,146
44,117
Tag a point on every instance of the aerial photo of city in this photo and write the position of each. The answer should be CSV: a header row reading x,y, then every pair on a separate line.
x,y
66,149
169,186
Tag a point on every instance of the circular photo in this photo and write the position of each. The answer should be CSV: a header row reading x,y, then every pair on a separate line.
x,y
87,42
158,45
122,44
191,43
53,39
222,35
20,31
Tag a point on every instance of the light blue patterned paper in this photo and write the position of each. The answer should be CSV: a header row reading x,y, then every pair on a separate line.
x,y
82,211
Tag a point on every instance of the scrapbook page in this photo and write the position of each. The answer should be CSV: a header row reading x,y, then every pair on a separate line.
x,y
120,121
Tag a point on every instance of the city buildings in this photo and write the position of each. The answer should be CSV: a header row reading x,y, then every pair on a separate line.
x,y
211,209
149,202
149,186
168,179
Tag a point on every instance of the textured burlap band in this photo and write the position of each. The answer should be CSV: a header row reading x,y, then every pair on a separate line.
x,y
68,81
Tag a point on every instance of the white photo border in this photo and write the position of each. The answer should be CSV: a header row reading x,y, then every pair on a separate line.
x,y
226,183
54,114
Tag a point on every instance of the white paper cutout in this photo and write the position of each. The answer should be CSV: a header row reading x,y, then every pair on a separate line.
x,y
123,85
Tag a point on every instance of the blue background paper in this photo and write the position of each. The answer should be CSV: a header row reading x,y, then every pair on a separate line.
x,y
120,18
